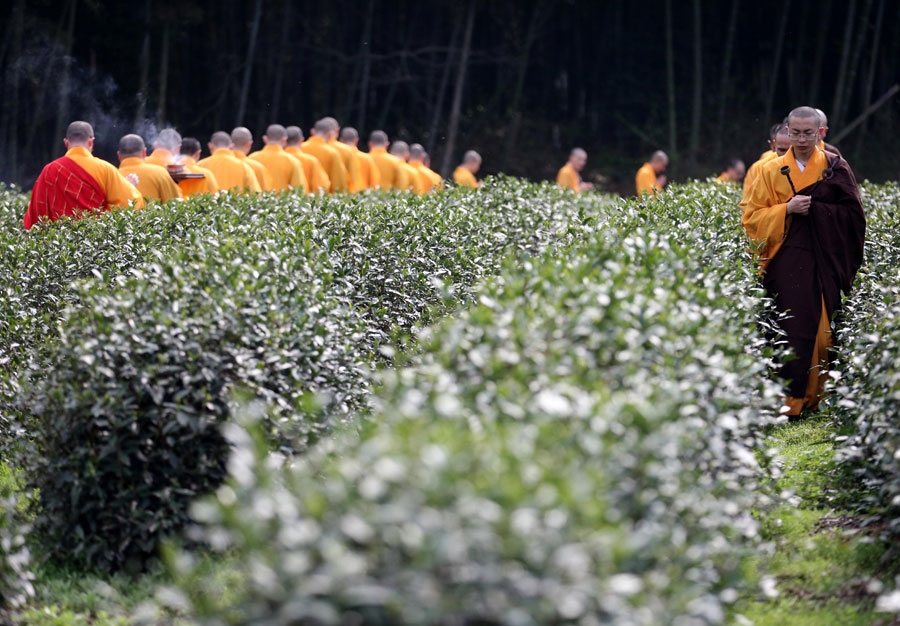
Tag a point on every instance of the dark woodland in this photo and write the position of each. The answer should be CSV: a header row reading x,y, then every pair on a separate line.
x,y
521,81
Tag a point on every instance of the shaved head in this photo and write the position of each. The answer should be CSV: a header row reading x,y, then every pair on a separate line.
x,y
805,113
241,136
190,146
471,157
332,123
417,152
324,126
578,159
79,133
220,140
349,134
276,132
168,139
400,149
378,138
294,135
823,122
131,146
578,153
660,157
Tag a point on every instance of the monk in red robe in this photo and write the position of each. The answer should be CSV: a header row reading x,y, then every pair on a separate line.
x,y
78,183
805,218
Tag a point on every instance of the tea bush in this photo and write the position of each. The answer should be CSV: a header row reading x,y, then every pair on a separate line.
x,y
16,579
576,447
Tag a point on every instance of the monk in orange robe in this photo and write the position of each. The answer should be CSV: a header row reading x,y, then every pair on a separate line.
x,y
805,219
779,144
414,183
651,179
154,182
287,173
317,180
349,156
464,174
318,146
431,180
390,171
242,144
188,158
231,173
369,174
78,183
569,175
166,145
733,173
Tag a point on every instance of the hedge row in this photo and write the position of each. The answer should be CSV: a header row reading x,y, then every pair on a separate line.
x,y
575,448
286,298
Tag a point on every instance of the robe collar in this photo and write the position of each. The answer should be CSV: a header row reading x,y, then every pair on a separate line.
x,y
78,151
131,162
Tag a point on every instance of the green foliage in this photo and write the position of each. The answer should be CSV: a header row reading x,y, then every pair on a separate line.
x,y
576,447
16,578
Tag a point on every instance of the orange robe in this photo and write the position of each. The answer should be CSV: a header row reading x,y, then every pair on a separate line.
x,y
569,178
160,157
371,175
431,180
154,181
350,158
753,172
723,178
645,181
287,173
389,170
464,178
766,221
331,162
192,186
316,178
414,182
230,172
263,176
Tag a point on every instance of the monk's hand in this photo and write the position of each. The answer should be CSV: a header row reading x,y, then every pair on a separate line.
x,y
661,181
799,205
134,179
587,186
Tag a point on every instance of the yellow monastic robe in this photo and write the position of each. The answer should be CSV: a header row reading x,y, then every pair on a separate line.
x,y
287,173
568,177
430,180
263,176
331,161
753,172
464,178
414,182
160,157
350,158
192,186
316,178
154,182
371,175
766,221
645,181
723,178
119,192
230,172
391,174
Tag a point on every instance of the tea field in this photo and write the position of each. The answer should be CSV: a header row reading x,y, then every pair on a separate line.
x,y
511,405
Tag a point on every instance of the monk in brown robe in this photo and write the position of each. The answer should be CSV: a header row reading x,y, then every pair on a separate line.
x,y
805,219
78,183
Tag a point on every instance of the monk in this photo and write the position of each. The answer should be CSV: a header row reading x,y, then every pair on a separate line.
x,y
154,182
166,145
400,149
242,143
390,171
779,143
287,173
651,179
464,174
230,172
317,180
431,180
331,160
734,172
370,176
349,156
189,155
78,183
569,174
806,220
827,147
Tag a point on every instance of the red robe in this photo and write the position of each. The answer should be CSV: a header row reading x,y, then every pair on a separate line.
x,y
63,189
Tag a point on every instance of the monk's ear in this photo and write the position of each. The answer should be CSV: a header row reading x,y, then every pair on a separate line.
x,y
265,140
144,153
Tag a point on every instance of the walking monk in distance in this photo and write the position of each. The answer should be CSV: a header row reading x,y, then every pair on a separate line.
x,y
328,156
286,171
464,174
78,183
369,174
805,219
400,149
242,143
569,175
188,157
230,172
733,173
165,147
651,179
316,179
390,171
430,179
154,182
348,155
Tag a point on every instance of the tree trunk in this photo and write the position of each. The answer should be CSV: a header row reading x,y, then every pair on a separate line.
x,y
456,107
62,109
438,107
163,78
725,76
774,85
670,82
838,103
855,56
873,62
248,67
143,81
825,18
280,57
697,111
13,150
366,50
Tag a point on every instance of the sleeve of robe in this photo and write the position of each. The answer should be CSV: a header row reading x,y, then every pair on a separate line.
x,y
320,179
354,174
645,182
298,180
338,175
374,174
566,178
764,218
119,192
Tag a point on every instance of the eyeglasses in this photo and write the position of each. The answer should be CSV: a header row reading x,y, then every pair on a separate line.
x,y
810,136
